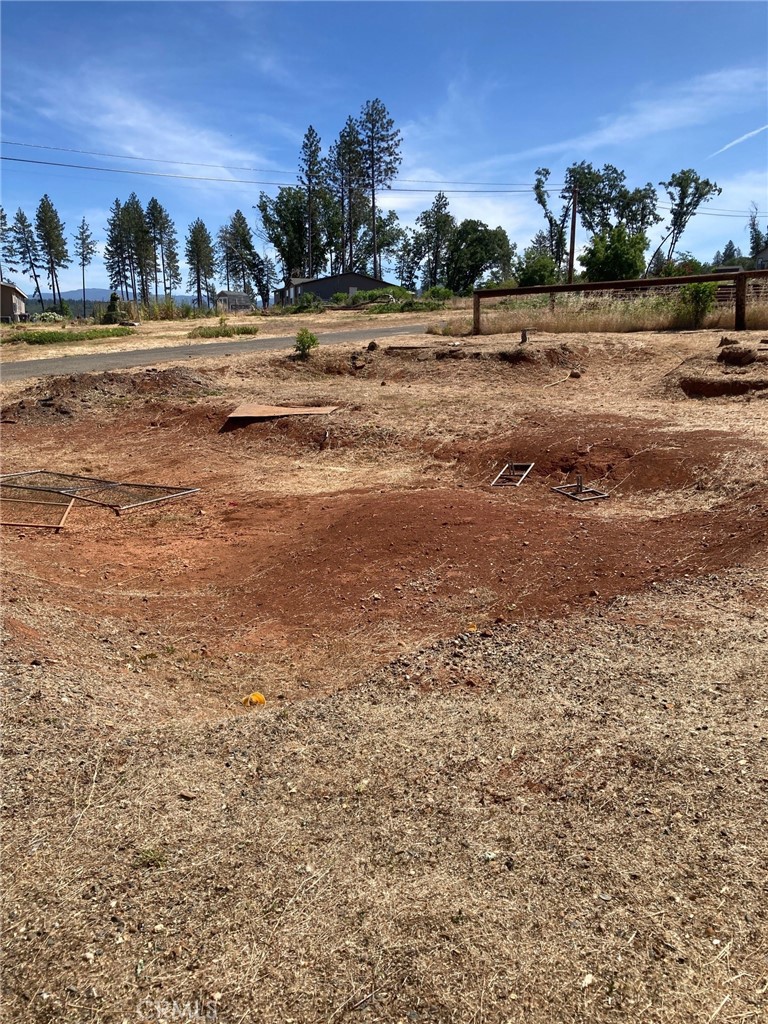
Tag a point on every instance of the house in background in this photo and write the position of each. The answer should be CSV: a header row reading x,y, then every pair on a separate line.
x,y
326,287
761,259
234,302
13,303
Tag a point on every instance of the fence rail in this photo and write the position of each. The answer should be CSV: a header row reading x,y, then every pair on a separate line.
x,y
737,280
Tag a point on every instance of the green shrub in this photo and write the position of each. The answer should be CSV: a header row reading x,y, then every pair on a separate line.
x,y
693,303
438,292
307,301
339,298
305,342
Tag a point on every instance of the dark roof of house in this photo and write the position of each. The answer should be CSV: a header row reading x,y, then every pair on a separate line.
x,y
14,288
234,295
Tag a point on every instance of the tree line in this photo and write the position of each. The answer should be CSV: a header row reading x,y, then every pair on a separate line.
x,y
332,222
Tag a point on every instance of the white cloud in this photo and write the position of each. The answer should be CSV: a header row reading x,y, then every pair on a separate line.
x,y
699,101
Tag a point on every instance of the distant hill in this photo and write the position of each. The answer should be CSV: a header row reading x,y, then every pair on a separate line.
x,y
92,295
102,295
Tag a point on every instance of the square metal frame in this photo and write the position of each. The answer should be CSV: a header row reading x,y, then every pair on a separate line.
x,y
579,492
513,474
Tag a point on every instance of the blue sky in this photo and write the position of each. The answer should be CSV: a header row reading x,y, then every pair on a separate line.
x,y
482,93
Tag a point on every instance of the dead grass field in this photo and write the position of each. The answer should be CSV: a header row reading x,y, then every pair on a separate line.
x,y
512,761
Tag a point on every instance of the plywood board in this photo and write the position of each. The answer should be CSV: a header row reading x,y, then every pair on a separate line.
x,y
253,411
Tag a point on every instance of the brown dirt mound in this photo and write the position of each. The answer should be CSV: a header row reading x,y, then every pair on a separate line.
x,y
706,377
67,396
640,459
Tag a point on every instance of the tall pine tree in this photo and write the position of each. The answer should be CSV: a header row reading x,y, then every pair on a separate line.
x,y
200,257
23,251
51,243
380,145
85,249
310,179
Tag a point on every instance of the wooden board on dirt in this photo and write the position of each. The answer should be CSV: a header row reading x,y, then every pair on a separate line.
x,y
253,411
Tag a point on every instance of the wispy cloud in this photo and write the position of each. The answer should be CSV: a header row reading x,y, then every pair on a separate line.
x,y
741,138
695,102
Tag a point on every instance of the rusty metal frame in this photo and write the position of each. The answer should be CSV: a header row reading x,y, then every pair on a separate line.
x,y
66,505
579,492
513,474
81,486
117,509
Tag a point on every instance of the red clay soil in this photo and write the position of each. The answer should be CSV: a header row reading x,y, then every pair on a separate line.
x,y
244,572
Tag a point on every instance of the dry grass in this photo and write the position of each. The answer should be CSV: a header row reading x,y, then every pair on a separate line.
x,y
576,313
499,828
557,818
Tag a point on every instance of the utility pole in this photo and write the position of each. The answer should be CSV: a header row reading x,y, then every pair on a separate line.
x,y
572,250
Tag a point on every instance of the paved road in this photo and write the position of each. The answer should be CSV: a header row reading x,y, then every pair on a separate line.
x,y
56,365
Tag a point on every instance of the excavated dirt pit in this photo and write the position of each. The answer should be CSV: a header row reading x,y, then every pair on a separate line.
x,y
330,577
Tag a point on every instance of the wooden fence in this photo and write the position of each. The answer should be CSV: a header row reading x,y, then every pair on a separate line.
x,y
737,280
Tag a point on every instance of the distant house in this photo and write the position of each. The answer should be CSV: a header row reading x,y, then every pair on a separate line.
x,y
234,302
761,259
326,287
13,303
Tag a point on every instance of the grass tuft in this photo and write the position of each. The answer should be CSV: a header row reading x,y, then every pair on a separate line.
x,y
59,336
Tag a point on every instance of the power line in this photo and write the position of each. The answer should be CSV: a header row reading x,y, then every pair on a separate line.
x,y
242,181
258,170
522,190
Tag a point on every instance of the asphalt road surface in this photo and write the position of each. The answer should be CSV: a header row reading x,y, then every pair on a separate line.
x,y
58,365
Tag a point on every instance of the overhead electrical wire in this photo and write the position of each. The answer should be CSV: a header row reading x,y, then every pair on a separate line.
x,y
516,189
258,170
244,181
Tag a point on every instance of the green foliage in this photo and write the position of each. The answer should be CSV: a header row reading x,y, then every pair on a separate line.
x,y
114,314
473,250
438,293
165,310
305,342
433,238
693,303
55,337
379,295
200,259
223,330
615,255
308,302
339,298
535,268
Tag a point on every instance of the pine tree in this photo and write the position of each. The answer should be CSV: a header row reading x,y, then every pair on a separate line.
x,y
224,253
116,251
6,248
139,250
242,252
345,177
310,179
436,227
85,249
380,143
165,248
23,251
52,243
199,254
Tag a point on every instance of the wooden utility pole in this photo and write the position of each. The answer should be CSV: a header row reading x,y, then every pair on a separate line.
x,y
740,319
572,250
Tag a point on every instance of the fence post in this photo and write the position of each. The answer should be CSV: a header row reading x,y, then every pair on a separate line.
x,y
475,313
740,322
